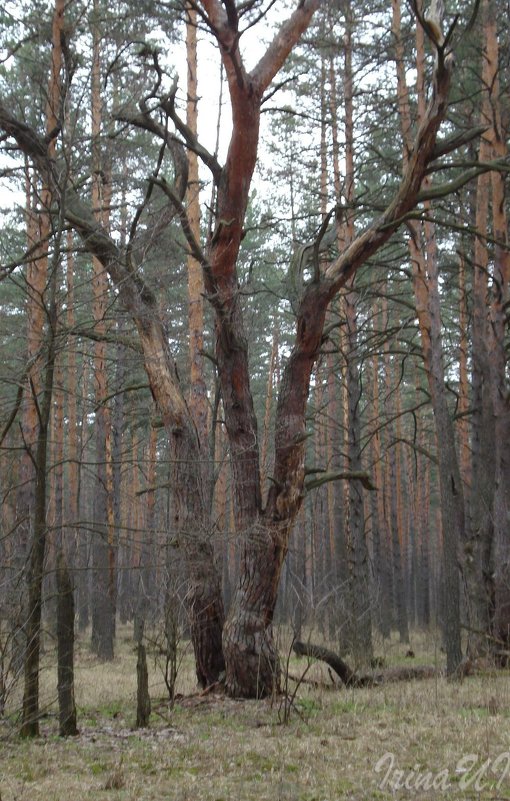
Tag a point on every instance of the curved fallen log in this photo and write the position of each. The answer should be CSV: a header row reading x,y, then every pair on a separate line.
x,y
336,663
352,679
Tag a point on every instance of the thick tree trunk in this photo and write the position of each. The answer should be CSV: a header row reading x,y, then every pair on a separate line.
x,y
251,660
487,554
253,667
255,609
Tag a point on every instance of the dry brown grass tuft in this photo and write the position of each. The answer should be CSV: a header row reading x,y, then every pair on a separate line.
x,y
116,779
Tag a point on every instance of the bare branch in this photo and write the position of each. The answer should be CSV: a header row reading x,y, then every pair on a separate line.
x,y
147,123
232,15
407,196
457,140
225,27
279,49
210,160
449,187
15,409
114,339
195,248
344,475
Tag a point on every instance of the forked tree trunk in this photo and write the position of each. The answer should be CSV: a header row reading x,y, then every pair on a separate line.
x,y
249,650
251,659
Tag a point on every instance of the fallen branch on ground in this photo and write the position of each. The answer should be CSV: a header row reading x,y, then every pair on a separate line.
x,y
351,679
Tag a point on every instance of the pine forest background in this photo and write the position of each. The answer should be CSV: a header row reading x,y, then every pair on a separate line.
x,y
400,519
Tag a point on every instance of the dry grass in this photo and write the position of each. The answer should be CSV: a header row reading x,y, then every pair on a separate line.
x,y
212,748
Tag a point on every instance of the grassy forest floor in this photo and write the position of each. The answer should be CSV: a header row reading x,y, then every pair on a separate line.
x,y
357,744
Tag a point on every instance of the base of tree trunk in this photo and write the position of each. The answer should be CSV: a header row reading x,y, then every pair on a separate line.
x,y
252,661
143,701
65,650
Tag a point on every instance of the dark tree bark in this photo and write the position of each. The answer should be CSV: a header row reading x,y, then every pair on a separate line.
x,y
30,721
65,650
143,701
47,303
30,712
